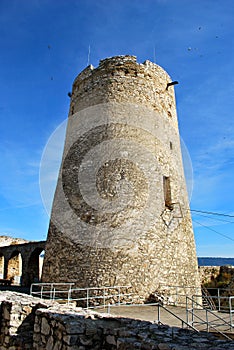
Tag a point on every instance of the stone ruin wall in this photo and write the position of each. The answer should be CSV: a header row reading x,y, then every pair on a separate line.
x,y
163,255
223,274
33,324
207,273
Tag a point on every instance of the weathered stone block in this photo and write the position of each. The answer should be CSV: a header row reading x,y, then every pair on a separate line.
x,y
45,327
50,343
57,333
85,340
58,345
70,339
110,339
163,346
6,312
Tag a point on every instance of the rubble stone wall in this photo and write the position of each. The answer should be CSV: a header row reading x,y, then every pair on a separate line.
x,y
29,323
17,317
208,273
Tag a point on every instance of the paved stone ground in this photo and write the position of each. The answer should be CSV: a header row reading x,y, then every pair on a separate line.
x,y
150,313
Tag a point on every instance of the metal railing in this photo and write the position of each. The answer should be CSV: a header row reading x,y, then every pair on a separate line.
x,y
183,322
176,295
87,297
219,297
98,296
223,304
211,318
158,319
196,321
52,291
231,310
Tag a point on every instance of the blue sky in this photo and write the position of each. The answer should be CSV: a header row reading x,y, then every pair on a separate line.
x,y
45,44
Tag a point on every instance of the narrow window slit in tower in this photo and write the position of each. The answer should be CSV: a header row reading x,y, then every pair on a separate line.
x,y
167,192
171,145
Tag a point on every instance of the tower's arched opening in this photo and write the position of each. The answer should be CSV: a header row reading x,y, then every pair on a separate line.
x,y
35,265
41,259
14,268
2,262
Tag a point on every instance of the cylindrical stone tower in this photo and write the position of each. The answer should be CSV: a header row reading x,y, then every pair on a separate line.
x,y
120,214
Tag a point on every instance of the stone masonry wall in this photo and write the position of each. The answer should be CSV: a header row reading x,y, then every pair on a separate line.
x,y
120,213
24,325
17,316
221,277
15,268
207,273
122,79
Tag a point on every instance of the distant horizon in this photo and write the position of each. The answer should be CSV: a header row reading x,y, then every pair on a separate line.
x,y
215,257
215,261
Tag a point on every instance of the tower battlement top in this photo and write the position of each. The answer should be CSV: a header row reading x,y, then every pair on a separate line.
x,y
118,59
122,79
128,63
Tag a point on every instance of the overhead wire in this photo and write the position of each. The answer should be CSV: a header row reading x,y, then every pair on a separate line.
x,y
211,229
216,219
200,212
211,213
